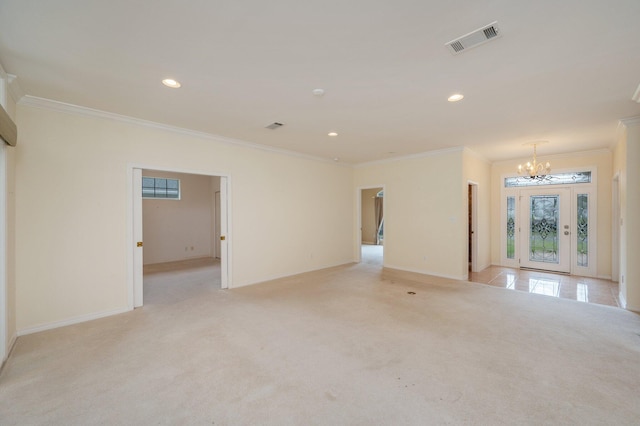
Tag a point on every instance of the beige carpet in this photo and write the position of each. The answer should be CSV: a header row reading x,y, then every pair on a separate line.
x,y
341,346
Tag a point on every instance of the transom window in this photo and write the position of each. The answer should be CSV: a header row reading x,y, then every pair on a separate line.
x,y
553,179
164,188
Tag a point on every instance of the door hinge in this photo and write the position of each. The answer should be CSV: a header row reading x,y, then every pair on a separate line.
x,y
139,244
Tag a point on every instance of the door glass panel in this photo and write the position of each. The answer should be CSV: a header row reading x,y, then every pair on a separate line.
x,y
511,227
583,230
543,238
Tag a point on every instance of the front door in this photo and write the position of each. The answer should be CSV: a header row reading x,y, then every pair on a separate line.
x,y
545,220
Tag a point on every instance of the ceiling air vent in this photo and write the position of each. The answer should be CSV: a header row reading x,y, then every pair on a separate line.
x,y
274,125
474,38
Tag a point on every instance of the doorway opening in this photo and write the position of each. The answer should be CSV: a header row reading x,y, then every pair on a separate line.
x,y
549,223
371,218
472,233
178,224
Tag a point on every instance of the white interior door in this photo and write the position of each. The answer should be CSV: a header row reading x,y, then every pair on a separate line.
x,y
545,241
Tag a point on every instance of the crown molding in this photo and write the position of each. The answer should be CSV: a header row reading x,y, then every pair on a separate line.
x,y
636,95
15,90
630,121
63,107
601,151
477,155
433,153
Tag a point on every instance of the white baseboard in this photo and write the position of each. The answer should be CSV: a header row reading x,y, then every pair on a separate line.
x,y
70,321
12,344
279,276
423,272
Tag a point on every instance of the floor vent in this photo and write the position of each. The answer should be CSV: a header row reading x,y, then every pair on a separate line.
x,y
474,38
274,125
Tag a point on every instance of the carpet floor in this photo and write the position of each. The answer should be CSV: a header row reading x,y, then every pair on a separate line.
x,y
341,346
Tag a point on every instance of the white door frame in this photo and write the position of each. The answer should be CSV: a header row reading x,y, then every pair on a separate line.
x,y
615,228
590,189
4,319
358,245
474,225
134,229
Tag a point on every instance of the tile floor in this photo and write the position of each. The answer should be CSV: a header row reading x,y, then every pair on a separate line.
x,y
582,289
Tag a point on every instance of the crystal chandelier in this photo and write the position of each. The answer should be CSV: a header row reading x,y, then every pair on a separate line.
x,y
534,169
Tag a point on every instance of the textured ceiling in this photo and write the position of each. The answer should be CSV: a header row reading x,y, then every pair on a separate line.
x,y
562,71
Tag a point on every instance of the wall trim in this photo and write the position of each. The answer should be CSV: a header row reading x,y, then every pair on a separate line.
x,y
12,344
433,153
51,105
392,268
280,276
71,321
564,155
476,155
631,121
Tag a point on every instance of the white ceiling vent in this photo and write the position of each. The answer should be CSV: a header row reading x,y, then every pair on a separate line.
x,y
474,38
274,125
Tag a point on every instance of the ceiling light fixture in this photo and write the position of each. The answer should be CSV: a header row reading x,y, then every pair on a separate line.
x,y
333,134
534,169
169,82
455,97
318,92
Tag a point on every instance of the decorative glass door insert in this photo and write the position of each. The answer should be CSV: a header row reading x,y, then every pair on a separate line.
x,y
545,222
543,235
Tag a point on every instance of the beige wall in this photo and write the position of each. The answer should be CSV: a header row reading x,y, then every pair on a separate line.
x,y
602,160
478,170
72,209
425,219
626,159
369,228
178,229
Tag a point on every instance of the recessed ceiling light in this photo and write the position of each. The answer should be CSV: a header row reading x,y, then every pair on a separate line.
x,y
318,92
169,82
333,134
455,97
336,159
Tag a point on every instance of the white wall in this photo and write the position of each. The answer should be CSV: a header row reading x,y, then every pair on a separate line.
x,y
626,160
369,229
178,229
601,159
425,212
72,208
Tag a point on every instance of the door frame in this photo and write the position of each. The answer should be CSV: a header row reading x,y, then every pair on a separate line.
x,y
474,225
134,228
591,189
615,228
4,317
358,245
566,245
